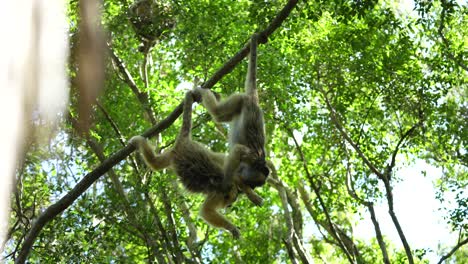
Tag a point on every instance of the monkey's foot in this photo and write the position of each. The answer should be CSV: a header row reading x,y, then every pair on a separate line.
x,y
136,141
235,232
257,200
196,94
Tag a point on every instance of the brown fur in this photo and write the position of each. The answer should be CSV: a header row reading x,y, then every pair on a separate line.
x,y
247,132
200,171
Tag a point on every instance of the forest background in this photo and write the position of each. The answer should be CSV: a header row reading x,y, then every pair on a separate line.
x,y
364,101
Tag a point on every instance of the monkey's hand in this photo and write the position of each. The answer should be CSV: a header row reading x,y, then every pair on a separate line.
x,y
235,232
136,141
198,91
257,200
251,194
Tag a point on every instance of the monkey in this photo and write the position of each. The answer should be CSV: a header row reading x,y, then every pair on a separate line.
x,y
200,171
247,130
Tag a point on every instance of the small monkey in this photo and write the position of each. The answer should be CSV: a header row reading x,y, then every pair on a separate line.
x,y
247,129
200,171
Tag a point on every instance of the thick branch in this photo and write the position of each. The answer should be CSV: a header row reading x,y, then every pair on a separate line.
x,y
396,223
378,234
143,233
63,203
383,177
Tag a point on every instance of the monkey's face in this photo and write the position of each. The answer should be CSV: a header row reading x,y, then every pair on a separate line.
x,y
252,175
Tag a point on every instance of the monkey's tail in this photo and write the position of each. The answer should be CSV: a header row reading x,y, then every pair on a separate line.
x,y
251,80
187,115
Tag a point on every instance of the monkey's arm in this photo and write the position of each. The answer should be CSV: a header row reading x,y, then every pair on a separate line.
x,y
210,214
238,152
251,194
155,161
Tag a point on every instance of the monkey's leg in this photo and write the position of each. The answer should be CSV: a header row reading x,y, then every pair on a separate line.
x,y
225,110
153,160
211,216
185,130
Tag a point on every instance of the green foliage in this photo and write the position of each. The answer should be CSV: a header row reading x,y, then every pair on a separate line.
x,y
382,73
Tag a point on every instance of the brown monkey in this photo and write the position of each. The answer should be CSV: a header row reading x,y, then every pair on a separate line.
x,y
199,169
247,130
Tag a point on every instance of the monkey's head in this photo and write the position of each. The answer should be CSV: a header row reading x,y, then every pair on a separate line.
x,y
254,174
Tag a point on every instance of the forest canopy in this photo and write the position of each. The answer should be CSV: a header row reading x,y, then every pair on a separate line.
x,y
354,94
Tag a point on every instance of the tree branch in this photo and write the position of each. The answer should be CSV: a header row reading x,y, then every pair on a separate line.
x,y
382,176
345,135
445,40
117,131
127,77
240,55
316,190
143,234
63,203
370,206
459,245
397,148
286,198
